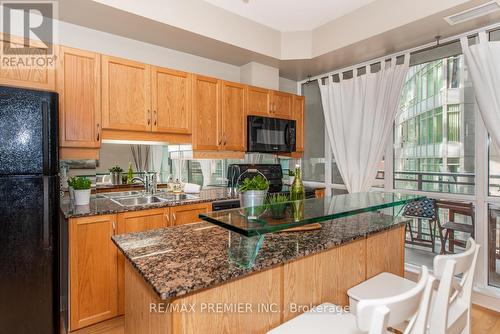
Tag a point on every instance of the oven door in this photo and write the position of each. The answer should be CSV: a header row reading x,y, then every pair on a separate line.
x,y
270,134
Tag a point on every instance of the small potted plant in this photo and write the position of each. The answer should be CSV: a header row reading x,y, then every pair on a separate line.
x,y
81,186
278,204
253,193
116,174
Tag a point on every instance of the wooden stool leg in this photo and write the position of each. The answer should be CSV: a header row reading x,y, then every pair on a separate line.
x,y
432,232
441,239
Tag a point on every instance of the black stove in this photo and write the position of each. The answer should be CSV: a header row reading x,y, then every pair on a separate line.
x,y
272,172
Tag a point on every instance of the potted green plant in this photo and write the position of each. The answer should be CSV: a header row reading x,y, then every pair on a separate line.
x,y
116,174
278,204
81,186
253,191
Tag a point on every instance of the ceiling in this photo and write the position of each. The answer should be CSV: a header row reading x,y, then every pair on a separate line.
x,y
290,15
200,28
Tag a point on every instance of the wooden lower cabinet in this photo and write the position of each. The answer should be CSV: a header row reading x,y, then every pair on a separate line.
x,y
96,266
92,270
273,296
186,214
136,221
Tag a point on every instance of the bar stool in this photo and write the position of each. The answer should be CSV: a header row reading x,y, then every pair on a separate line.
x,y
373,316
424,210
451,305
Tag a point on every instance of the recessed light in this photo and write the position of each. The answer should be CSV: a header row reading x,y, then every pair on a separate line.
x,y
472,13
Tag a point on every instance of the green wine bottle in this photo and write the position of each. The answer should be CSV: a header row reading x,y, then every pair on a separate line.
x,y
297,195
130,173
297,192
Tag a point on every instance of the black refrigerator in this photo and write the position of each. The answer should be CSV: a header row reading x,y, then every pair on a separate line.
x,y
29,212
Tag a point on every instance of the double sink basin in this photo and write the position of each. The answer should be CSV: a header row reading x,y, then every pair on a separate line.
x,y
140,198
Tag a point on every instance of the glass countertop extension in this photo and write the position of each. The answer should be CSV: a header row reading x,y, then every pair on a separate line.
x,y
264,219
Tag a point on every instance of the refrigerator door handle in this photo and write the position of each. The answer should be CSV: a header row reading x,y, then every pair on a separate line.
x,y
45,137
46,224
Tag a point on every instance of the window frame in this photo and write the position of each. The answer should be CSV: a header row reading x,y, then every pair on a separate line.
x,y
481,199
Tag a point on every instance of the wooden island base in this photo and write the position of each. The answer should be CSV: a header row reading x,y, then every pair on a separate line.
x,y
265,299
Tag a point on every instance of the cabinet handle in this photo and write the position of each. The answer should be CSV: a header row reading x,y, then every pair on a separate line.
x,y
220,142
114,225
225,139
174,217
154,116
98,132
149,117
167,216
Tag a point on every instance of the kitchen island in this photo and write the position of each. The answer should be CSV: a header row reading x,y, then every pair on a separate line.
x,y
191,278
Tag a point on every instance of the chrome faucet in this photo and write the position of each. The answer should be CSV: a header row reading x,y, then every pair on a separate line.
x,y
149,181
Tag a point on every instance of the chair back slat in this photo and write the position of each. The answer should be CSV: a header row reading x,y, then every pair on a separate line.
x,y
452,291
413,304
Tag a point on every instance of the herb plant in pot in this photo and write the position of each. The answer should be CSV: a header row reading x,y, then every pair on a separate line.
x,y
81,186
253,193
116,174
278,204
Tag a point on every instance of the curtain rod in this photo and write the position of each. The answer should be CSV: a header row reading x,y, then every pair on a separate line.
x,y
420,48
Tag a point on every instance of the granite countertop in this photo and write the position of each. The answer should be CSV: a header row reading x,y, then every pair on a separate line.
x,y
100,205
180,260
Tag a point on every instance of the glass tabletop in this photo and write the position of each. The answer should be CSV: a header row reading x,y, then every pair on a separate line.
x,y
264,219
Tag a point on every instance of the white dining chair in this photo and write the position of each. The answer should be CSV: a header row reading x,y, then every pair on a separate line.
x,y
373,316
451,302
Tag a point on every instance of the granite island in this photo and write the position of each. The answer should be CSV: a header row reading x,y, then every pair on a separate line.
x,y
203,278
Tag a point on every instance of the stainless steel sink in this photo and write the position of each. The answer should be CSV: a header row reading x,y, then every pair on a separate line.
x,y
138,200
129,200
177,197
123,194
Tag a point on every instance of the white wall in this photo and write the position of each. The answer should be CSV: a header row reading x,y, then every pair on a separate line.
x,y
287,85
97,41
256,74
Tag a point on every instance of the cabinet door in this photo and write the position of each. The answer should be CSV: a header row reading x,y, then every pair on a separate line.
x,y
258,101
93,270
171,101
298,116
126,100
187,214
282,105
34,77
206,115
136,221
79,88
233,116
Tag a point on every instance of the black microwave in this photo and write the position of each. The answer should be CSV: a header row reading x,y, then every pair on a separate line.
x,y
270,135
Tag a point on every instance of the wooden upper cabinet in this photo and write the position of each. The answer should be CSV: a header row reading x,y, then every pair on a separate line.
x,y
171,101
258,101
206,113
126,95
186,214
93,270
281,106
298,116
233,116
43,77
79,88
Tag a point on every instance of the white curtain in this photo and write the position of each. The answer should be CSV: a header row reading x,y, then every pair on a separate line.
x,y
483,63
359,116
